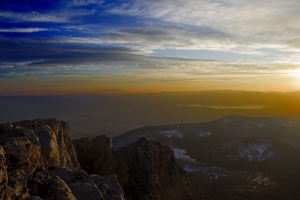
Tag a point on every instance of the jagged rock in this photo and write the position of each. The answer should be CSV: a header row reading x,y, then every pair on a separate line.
x,y
96,187
38,161
39,182
145,169
69,176
94,154
86,191
29,149
85,187
23,157
3,172
56,140
109,186
58,190
49,148
22,149
35,198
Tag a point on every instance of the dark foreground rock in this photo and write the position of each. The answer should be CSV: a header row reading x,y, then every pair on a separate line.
x,y
38,161
145,169
94,154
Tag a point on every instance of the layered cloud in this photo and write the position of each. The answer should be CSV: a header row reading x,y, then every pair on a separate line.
x,y
200,44
232,25
263,24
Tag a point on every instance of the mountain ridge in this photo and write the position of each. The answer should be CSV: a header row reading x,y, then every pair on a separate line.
x,y
232,147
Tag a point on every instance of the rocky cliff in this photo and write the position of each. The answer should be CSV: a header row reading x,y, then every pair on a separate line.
x,y
145,169
38,161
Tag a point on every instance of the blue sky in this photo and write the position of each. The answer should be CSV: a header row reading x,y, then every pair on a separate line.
x,y
169,44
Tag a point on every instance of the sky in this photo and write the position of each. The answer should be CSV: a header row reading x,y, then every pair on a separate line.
x,y
99,46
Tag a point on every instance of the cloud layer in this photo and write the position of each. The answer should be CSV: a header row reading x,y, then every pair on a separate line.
x,y
232,44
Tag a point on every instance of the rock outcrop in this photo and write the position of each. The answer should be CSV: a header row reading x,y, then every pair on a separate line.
x,y
38,161
95,154
3,172
56,142
145,169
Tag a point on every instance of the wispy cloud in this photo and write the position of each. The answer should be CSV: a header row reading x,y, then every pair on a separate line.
x,y
259,21
22,30
86,2
33,17
54,16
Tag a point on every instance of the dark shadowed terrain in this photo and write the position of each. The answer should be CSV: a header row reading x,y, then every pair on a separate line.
x,y
247,157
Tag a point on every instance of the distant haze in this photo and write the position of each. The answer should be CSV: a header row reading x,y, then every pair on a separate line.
x,y
114,114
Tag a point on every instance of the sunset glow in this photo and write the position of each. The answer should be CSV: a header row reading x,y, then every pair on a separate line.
x,y
90,46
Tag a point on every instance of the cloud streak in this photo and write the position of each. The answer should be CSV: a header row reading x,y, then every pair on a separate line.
x,y
259,21
22,30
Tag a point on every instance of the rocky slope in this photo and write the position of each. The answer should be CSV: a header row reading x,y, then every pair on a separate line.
x,y
38,161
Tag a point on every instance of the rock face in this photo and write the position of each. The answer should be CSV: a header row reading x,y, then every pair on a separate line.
x,y
145,169
3,172
56,142
38,161
94,154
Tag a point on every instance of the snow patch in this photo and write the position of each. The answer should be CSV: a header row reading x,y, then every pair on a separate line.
x,y
189,168
207,133
181,154
226,121
283,122
288,123
231,119
248,127
261,125
256,152
172,133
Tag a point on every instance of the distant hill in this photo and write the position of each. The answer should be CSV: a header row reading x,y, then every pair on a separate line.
x,y
229,140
